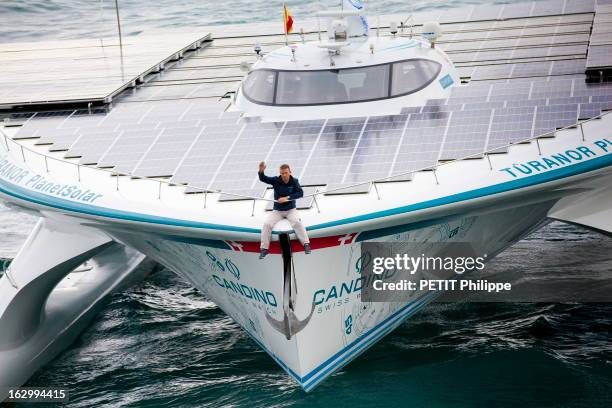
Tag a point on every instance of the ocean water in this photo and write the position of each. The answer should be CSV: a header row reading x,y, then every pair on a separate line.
x,y
163,344
30,20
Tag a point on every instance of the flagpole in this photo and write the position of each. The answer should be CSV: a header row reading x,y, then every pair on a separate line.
x,y
285,24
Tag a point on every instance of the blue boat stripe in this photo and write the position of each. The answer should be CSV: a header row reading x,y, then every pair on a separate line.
x,y
380,330
59,203
362,348
552,175
356,344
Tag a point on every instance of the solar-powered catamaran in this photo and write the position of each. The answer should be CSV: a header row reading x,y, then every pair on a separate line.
x,y
482,136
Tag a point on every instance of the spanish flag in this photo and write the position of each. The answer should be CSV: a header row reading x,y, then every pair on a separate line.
x,y
287,19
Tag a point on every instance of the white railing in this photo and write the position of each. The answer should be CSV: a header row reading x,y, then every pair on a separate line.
x,y
161,182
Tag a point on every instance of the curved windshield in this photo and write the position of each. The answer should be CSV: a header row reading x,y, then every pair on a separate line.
x,y
259,86
412,76
322,87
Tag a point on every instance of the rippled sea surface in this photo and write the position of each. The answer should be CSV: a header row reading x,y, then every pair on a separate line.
x,y
164,344
69,19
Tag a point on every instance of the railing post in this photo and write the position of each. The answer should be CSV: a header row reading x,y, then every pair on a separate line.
x,y
8,149
79,172
159,191
205,197
22,153
489,160
117,175
316,203
376,188
46,164
253,210
436,176
582,131
539,148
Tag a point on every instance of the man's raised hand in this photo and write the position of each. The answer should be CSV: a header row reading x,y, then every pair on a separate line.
x,y
262,167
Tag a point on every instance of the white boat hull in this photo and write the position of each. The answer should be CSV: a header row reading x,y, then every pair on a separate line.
x,y
338,325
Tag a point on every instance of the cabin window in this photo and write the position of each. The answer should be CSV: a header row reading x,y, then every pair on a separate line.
x,y
412,76
333,86
259,86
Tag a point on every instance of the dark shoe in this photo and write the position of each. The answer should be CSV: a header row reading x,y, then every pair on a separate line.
x,y
307,249
263,253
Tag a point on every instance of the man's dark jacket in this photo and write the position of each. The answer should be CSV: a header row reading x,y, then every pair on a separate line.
x,y
292,189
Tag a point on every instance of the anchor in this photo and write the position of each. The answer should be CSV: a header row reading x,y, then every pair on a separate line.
x,y
290,324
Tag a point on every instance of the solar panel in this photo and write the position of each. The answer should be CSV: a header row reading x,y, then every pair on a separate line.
x,y
242,195
566,67
503,91
411,109
472,93
510,125
333,152
516,10
569,100
532,69
547,8
200,163
348,189
582,88
600,56
530,52
92,147
553,88
467,133
375,150
486,13
549,118
444,107
483,105
82,71
127,150
492,72
41,121
239,170
579,6
517,103
421,142
589,110
295,144
48,136
579,50
488,55
163,157
455,14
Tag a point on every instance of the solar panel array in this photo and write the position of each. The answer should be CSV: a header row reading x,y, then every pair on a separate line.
x,y
536,85
199,145
82,71
599,62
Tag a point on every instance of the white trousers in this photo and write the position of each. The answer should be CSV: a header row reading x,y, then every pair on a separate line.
x,y
293,216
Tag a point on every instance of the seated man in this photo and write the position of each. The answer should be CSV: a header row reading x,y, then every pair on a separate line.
x,y
286,190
